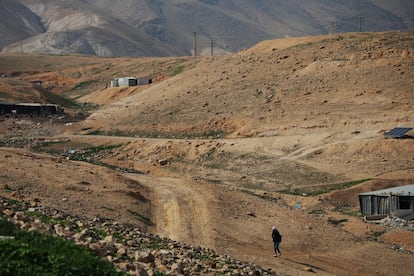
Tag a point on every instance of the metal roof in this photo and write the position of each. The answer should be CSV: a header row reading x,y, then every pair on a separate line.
x,y
407,190
397,132
126,78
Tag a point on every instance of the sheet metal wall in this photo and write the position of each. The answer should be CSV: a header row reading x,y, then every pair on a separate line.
x,y
382,205
375,205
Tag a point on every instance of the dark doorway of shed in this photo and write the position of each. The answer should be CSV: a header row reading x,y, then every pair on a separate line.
x,y
404,203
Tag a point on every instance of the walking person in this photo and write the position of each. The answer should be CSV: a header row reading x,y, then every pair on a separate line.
x,y
277,239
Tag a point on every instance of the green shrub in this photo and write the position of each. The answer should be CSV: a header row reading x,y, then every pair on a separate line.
x,y
211,134
308,191
317,212
145,220
33,253
177,70
83,84
336,221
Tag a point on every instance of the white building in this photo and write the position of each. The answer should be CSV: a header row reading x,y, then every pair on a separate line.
x,y
129,81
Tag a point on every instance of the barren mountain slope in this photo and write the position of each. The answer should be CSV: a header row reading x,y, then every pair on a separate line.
x,y
17,22
76,27
165,28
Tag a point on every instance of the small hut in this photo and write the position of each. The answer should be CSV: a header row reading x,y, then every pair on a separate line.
x,y
126,81
397,201
130,81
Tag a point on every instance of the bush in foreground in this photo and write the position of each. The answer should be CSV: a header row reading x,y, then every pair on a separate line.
x,y
33,253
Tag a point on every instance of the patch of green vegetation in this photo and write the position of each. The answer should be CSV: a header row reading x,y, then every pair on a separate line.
x,y
12,201
33,253
177,70
82,85
42,217
376,234
46,147
261,196
118,236
107,208
346,210
251,186
213,134
86,128
59,100
75,75
213,165
336,221
110,133
352,213
51,220
310,191
316,212
89,154
154,243
142,218
99,232
92,154
301,45
215,181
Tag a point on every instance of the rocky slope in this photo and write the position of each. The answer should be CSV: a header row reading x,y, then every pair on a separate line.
x,y
131,250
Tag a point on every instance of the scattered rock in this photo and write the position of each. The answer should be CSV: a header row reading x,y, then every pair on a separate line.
x,y
308,269
126,243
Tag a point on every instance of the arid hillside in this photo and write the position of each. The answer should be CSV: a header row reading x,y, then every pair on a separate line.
x,y
166,27
217,150
309,100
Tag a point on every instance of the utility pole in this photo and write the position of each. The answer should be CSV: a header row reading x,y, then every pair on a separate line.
x,y
360,20
333,26
195,44
212,46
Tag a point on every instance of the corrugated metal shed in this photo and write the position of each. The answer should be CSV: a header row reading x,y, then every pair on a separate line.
x,y
127,81
30,108
130,81
397,201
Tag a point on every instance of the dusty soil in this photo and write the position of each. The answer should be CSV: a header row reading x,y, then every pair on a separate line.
x,y
207,155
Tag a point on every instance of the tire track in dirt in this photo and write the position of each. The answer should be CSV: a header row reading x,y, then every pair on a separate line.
x,y
180,210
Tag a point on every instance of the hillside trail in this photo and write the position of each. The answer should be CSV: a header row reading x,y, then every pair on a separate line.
x,y
313,143
180,209
189,213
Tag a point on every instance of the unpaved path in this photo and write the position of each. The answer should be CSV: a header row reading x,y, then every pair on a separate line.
x,y
197,214
181,210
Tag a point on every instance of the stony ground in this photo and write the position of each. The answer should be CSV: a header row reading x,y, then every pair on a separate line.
x,y
131,250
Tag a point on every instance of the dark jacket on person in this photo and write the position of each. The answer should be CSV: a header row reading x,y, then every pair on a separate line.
x,y
276,236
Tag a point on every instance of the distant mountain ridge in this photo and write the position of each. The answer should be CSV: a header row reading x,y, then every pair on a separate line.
x,y
170,27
